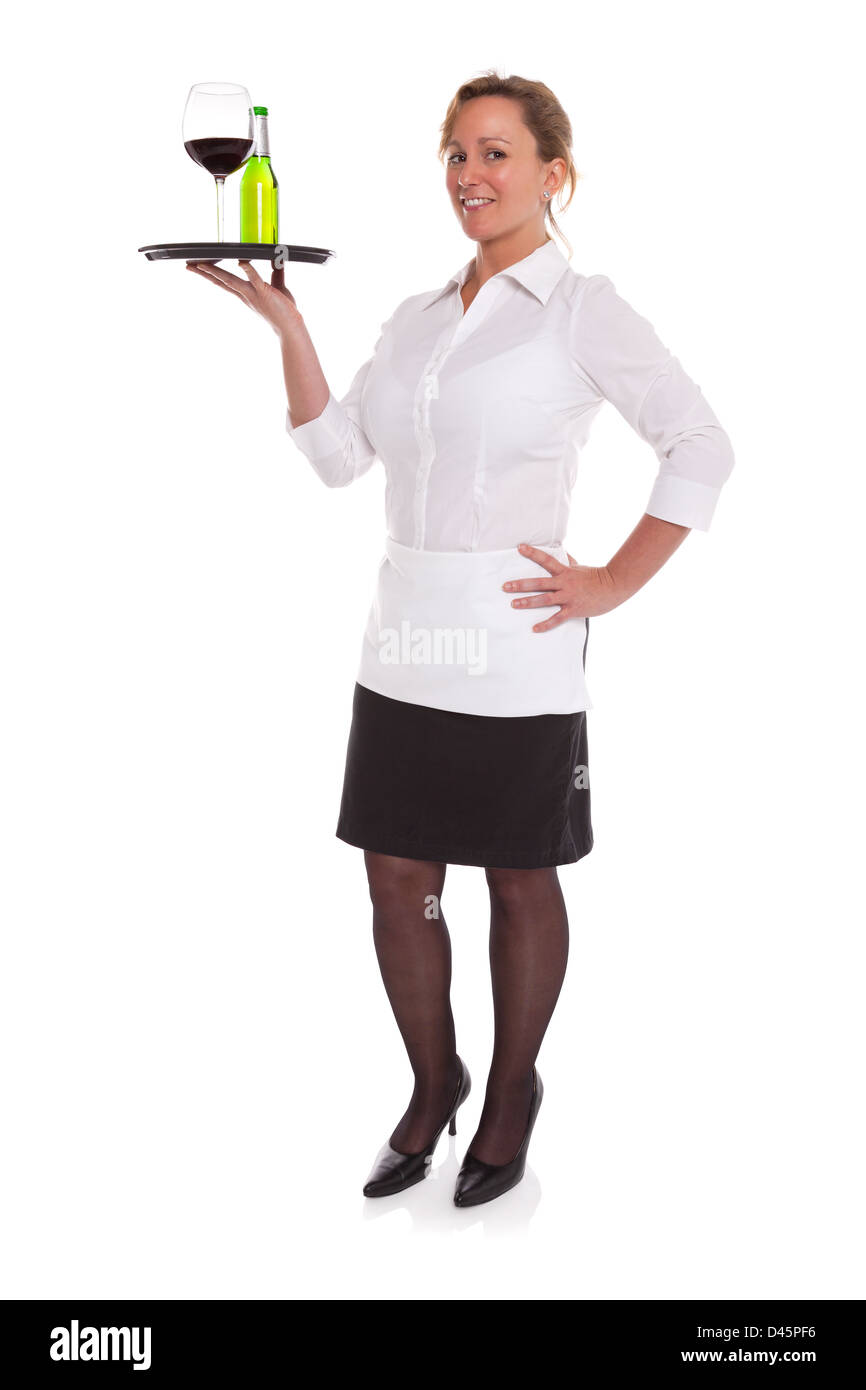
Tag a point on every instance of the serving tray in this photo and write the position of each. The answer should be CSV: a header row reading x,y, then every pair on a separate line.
x,y
234,251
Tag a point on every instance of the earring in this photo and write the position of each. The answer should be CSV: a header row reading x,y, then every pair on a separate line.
x,y
546,194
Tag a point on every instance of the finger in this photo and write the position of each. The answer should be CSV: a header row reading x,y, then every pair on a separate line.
x,y
208,271
561,617
224,277
538,601
250,270
232,284
541,557
571,560
530,586
231,289
278,278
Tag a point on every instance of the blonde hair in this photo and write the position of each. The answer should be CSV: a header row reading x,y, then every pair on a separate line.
x,y
542,114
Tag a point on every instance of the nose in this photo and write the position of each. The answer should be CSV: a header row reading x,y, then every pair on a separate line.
x,y
472,171
468,178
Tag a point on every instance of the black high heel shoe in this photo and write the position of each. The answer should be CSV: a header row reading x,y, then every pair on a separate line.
x,y
480,1182
393,1171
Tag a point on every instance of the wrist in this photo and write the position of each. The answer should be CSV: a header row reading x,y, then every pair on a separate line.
x,y
291,322
612,586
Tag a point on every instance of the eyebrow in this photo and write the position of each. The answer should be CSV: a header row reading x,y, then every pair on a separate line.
x,y
481,140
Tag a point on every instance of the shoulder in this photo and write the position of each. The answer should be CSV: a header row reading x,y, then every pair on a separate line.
x,y
420,301
407,309
600,313
415,302
588,291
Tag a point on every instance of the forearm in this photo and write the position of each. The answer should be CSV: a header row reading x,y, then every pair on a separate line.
x,y
651,543
307,390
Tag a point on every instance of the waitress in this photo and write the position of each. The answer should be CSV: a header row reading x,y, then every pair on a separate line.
x,y
468,742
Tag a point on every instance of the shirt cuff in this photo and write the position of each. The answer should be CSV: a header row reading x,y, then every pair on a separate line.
x,y
322,437
683,501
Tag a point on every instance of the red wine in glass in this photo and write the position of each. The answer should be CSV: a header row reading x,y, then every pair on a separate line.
x,y
220,157
219,132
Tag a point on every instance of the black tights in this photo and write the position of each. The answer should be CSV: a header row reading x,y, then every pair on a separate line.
x,y
528,956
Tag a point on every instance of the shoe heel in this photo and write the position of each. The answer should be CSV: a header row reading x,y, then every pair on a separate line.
x,y
452,1128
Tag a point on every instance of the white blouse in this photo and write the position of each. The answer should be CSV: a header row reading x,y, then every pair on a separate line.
x,y
478,417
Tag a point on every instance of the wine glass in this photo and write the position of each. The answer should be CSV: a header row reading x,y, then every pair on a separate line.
x,y
219,132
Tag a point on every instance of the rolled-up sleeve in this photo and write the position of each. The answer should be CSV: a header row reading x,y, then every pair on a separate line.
x,y
620,354
335,442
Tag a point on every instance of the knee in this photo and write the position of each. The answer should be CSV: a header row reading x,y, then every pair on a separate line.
x,y
401,886
514,890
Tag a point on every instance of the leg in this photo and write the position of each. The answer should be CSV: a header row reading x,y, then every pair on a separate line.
x,y
414,952
528,957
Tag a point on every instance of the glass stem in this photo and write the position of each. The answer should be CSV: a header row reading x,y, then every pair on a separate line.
x,y
220,183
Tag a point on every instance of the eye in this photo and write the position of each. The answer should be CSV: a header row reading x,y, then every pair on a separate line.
x,y
459,156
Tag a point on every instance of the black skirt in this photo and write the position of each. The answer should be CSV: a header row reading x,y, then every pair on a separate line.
x,y
504,793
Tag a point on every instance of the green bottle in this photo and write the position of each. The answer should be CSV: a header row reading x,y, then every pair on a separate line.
x,y
260,192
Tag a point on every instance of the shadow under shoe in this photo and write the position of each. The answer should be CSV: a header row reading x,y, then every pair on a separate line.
x,y
480,1182
393,1171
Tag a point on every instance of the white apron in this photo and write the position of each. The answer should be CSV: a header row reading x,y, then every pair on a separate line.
x,y
442,632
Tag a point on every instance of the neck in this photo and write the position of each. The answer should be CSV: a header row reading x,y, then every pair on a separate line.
x,y
495,255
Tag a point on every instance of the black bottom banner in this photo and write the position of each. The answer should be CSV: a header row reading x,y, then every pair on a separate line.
x,y
168,1340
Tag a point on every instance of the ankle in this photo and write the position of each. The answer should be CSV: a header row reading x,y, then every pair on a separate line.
x,y
436,1083
509,1086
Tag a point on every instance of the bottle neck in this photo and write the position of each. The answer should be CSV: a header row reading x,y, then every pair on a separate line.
x,y
262,147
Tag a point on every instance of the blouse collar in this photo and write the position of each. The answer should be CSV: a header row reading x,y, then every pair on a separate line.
x,y
539,272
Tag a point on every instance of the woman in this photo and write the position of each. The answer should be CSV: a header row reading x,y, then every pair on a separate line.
x,y
468,742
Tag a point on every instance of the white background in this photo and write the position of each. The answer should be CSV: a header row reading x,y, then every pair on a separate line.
x,y
199,1059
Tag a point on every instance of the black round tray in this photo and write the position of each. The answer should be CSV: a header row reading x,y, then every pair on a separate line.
x,y
234,251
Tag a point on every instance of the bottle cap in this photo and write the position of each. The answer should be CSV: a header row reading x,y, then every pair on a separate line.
x,y
260,110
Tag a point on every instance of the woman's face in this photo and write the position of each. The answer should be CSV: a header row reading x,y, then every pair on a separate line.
x,y
492,155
